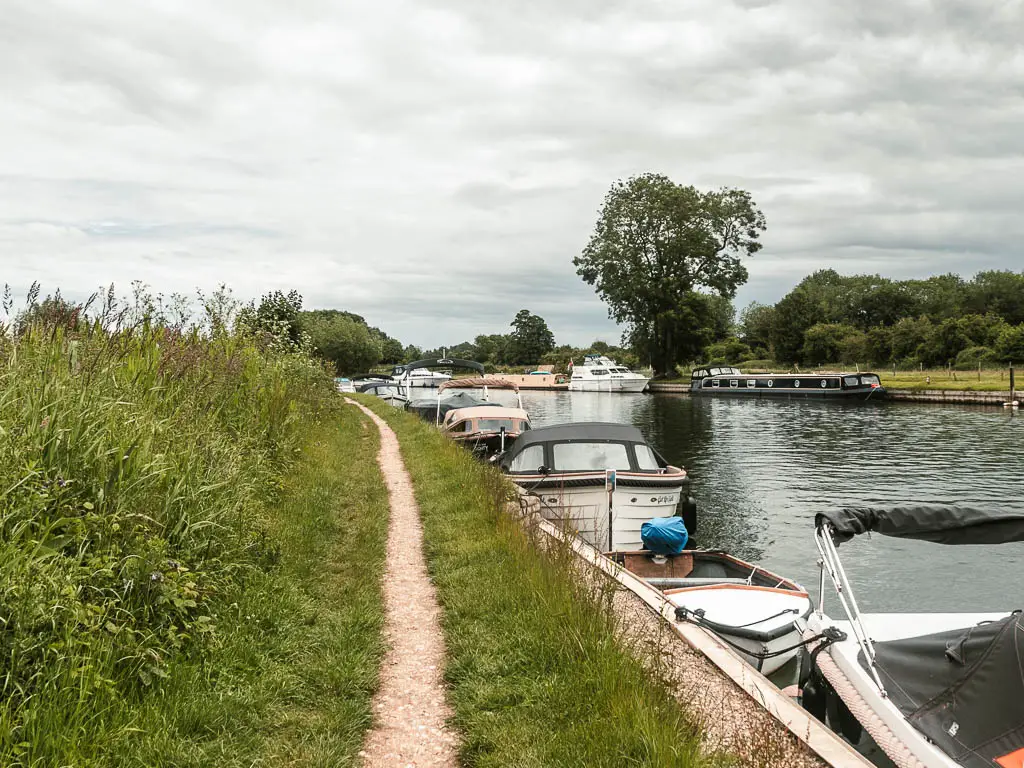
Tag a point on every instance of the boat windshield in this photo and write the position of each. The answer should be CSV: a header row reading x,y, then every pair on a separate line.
x,y
645,457
584,457
870,380
495,425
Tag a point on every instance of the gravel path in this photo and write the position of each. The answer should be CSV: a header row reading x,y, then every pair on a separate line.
x,y
410,705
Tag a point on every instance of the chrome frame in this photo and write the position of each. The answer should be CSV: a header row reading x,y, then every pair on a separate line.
x,y
831,564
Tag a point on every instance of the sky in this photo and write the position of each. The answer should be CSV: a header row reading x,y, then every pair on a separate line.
x,y
435,166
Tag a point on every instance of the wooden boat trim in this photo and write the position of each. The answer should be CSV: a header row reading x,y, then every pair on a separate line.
x,y
755,587
804,726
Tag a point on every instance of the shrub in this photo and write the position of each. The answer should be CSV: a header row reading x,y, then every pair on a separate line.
x,y
972,357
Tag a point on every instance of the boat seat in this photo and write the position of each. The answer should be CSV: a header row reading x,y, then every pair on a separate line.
x,y
691,582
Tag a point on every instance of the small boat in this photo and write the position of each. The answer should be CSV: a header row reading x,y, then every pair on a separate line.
x,y
602,374
750,608
728,381
416,374
388,391
936,690
603,481
343,384
486,428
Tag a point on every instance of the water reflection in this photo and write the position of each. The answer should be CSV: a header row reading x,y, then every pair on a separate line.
x,y
762,469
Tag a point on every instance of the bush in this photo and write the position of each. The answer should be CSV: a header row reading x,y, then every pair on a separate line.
x,y
972,357
1010,344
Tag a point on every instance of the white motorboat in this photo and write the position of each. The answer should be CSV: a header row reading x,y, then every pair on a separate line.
x,y
418,375
752,609
601,374
935,690
601,481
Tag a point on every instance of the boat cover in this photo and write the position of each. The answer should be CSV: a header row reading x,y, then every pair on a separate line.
x,y
941,523
963,689
446,362
426,407
664,535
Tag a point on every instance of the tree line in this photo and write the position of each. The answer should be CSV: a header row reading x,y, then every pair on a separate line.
x,y
872,320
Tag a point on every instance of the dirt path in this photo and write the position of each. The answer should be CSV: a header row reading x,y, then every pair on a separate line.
x,y
410,706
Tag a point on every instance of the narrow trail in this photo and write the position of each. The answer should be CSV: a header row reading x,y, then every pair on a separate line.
x,y
410,705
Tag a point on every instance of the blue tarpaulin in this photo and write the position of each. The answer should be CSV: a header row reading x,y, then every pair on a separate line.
x,y
664,535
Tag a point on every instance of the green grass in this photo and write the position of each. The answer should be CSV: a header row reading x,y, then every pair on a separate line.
x,y
187,555
536,675
293,681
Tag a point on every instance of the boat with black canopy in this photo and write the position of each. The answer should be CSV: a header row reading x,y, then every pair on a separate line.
x,y
600,480
388,391
727,381
936,690
417,374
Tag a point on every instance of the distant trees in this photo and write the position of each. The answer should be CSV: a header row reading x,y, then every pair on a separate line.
x,y
659,256
943,320
530,339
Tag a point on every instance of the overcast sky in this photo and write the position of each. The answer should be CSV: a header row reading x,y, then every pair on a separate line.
x,y
435,166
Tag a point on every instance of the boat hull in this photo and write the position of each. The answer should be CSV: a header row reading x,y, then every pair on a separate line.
x,y
580,503
611,385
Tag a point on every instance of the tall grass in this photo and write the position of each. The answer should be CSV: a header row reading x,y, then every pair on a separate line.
x,y
536,675
139,472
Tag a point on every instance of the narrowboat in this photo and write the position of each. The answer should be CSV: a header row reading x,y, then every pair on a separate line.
x,y
727,381
602,481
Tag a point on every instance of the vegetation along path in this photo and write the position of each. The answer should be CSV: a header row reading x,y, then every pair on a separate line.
x,y
410,704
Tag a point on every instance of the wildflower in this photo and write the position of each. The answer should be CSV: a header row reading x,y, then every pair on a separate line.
x,y
156,576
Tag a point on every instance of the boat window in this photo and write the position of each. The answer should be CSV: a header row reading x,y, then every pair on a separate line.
x,y
824,383
523,426
645,457
870,380
734,383
751,383
599,372
582,457
715,383
771,383
494,425
530,460
796,382
851,381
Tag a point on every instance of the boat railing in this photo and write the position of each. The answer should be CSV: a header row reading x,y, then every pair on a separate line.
x,y
831,564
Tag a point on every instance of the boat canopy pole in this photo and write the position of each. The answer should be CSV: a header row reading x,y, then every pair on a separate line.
x,y
830,561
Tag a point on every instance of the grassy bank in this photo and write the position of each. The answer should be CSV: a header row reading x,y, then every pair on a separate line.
x,y
536,676
183,553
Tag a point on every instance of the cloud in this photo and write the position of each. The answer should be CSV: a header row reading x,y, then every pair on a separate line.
x,y
435,167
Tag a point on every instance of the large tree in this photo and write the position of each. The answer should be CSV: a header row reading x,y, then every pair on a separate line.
x,y
657,245
530,339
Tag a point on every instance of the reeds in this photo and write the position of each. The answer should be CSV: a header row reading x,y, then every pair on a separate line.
x,y
139,466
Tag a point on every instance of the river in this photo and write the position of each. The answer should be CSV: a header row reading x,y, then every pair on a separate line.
x,y
761,469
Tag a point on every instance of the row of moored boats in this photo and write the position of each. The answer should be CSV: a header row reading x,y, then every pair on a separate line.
x,y
907,689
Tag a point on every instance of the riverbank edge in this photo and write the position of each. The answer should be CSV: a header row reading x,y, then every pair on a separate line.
x,y
954,396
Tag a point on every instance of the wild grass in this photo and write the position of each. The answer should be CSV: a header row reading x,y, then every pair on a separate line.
x,y
163,523
536,675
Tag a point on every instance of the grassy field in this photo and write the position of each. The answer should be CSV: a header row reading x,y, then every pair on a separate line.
x,y
535,674
184,552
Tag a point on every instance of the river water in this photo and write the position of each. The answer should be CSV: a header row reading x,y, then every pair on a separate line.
x,y
761,469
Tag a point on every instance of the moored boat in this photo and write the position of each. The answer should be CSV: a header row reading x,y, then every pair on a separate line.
x,y
417,374
486,428
750,608
602,374
728,381
388,391
934,690
600,480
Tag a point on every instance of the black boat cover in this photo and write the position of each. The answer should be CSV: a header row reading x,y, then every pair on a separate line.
x,y
941,523
439,363
962,689
426,407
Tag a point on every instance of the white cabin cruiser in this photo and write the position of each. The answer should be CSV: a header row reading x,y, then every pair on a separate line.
x,y
934,690
416,374
601,374
601,481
